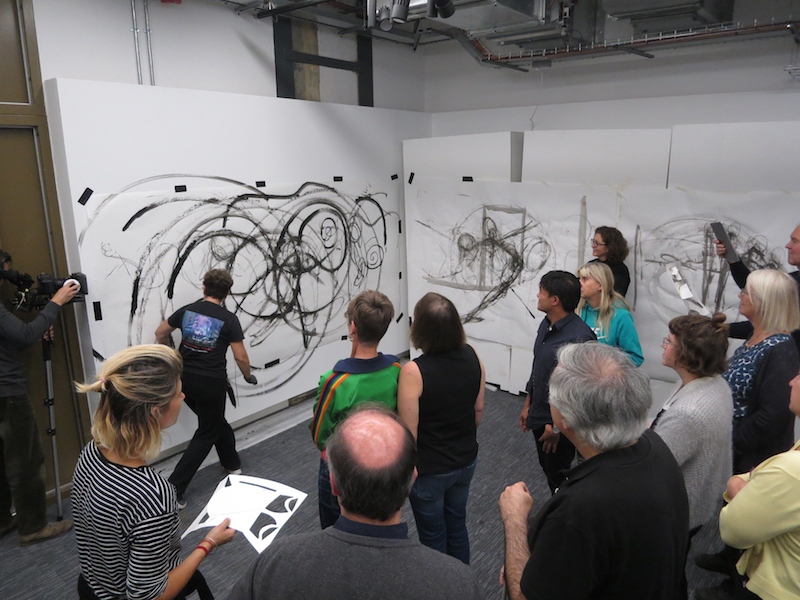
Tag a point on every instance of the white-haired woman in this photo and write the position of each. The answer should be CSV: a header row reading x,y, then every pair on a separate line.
x,y
606,312
126,514
760,370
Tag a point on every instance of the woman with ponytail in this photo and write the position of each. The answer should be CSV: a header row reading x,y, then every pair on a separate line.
x,y
126,514
695,422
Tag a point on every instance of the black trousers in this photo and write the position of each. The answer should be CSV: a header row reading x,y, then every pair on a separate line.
x,y
206,397
197,583
554,463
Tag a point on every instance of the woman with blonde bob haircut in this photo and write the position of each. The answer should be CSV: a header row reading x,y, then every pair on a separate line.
x,y
760,370
605,311
774,295
126,514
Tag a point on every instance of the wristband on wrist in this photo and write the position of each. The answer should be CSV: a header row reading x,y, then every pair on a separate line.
x,y
203,548
210,541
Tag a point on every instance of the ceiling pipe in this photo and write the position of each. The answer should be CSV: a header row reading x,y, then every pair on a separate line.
x,y
661,40
149,45
136,43
371,14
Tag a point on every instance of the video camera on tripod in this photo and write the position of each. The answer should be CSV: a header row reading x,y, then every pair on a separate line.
x,y
29,298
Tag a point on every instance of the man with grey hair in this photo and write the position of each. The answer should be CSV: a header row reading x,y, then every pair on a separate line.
x,y
366,554
617,527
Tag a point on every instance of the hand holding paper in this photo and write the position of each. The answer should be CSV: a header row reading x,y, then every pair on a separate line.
x,y
256,507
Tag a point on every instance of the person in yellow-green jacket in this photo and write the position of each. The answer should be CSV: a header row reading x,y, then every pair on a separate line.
x,y
366,376
762,518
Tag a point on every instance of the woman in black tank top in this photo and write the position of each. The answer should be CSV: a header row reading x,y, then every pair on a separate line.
x,y
440,398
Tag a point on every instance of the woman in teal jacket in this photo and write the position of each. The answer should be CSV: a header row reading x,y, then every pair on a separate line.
x,y
606,312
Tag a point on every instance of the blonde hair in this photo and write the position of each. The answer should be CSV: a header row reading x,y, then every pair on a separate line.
x,y
774,296
609,298
131,384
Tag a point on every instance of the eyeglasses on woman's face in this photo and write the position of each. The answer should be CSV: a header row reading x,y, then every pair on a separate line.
x,y
596,243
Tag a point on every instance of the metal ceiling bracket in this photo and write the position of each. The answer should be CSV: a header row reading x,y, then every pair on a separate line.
x,y
264,14
636,51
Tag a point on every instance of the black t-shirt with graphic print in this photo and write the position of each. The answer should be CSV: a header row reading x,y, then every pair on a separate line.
x,y
207,329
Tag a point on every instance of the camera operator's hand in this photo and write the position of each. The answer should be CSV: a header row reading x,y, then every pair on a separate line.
x,y
66,293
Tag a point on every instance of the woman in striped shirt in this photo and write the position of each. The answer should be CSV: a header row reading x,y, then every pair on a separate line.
x,y
126,515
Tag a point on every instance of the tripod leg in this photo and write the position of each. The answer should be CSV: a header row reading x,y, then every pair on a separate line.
x,y
47,347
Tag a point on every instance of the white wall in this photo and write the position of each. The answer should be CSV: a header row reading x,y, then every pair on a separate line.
x,y
204,45
199,45
454,81
106,136
633,113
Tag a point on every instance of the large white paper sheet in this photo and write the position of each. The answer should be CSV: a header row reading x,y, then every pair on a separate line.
x,y
258,508
297,254
485,245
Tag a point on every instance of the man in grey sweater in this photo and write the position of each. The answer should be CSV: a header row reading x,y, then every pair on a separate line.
x,y
366,554
21,455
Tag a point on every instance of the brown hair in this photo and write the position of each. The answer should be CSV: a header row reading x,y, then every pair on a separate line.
x,y
371,312
217,283
615,243
701,344
437,325
132,383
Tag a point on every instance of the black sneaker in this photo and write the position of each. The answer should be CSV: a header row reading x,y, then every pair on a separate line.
x,y
9,527
181,503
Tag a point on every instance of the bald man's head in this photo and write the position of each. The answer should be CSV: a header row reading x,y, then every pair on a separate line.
x,y
371,457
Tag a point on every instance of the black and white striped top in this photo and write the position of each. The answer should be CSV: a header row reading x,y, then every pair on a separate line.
x,y
126,523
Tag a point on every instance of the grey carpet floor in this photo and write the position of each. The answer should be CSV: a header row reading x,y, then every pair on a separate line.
x,y
50,570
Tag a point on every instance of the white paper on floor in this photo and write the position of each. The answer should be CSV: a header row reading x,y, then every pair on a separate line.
x,y
256,507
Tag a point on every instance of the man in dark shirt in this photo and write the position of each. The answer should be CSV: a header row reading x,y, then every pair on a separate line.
x,y
617,528
207,329
21,455
366,553
740,271
559,294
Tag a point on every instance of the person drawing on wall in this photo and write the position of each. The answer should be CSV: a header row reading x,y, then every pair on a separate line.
x,y
604,310
367,376
207,329
611,248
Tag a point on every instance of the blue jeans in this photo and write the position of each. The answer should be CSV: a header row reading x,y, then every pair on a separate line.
x,y
328,503
439,503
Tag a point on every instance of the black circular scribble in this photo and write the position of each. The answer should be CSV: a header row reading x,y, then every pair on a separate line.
x,y
488,257
296,260
689,243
